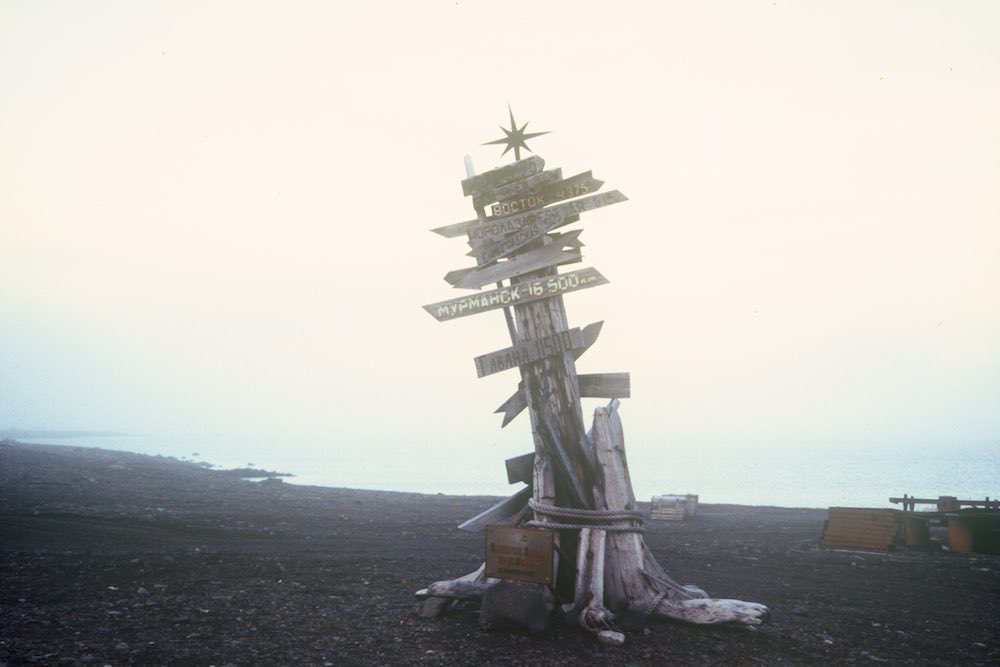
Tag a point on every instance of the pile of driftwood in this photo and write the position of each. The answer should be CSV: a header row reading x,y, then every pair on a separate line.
x,y
616,581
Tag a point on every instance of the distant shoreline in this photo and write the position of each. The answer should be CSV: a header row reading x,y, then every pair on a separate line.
x,y
236,473
16,433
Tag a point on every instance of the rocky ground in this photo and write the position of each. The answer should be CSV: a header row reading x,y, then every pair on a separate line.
x,y
117,558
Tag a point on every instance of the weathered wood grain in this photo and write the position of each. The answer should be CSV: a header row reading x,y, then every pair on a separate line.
x,y
523,292
506,235
455,229
518,188
532,260
529,351
518,401
605,385
574,186
476,245
520,468
498,513
490,180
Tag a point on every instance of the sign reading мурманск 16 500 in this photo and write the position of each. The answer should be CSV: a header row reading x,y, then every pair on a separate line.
x,y
531,290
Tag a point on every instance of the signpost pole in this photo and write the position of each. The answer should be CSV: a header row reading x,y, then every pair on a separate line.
x,y
600,567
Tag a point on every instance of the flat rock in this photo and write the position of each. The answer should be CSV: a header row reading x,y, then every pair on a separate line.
x,y
516,607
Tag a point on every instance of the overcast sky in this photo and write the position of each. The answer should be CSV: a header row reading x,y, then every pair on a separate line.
x,y
214,217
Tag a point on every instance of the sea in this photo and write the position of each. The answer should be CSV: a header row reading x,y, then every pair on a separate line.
x,y
816,477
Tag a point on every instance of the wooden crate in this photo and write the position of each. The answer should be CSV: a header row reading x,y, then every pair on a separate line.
x,y
673,507
863,529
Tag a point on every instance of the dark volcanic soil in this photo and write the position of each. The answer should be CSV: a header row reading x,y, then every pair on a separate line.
x,y
117,558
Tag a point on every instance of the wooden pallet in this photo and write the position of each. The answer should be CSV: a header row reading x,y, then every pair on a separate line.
x,y
863,529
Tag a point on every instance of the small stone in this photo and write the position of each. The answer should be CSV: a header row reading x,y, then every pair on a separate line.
x,y
122,647
88,659
610,638
800,611
142,591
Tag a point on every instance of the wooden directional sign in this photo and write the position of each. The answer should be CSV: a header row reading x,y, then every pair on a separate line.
x,y
456,229
531,290
548,183
513,406
539,258
521,468
490,180
604,385
509,234
574,186
529,352
518,188
477,246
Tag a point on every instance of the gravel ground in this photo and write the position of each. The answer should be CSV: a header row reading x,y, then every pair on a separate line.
x,y
124,559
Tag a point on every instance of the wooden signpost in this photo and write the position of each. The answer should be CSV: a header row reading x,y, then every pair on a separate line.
x,y
503,237
532,290
531,260
579,495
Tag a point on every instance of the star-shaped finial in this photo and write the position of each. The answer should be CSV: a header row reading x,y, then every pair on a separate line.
x,y
515,137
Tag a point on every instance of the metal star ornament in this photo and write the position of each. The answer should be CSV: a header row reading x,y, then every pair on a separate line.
x,y
515,137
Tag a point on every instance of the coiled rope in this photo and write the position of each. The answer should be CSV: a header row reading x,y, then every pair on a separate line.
x,y
600,519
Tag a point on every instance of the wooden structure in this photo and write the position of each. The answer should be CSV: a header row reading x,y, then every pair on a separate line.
x,y
945,503
578,480
973,525
862,529
673,507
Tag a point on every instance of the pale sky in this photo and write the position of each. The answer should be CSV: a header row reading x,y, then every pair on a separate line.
x,y
214,217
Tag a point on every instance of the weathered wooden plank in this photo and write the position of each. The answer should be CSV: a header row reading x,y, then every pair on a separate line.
x,y
455,229
569,239
508,234
519,554
476,245
526,292
521,468
605,385
552,187
518,188
494,178
529,352
518,401
574,186
513,406
503,510
495,229
539,258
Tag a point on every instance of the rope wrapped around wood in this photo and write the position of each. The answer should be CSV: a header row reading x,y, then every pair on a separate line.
x,y
601,519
